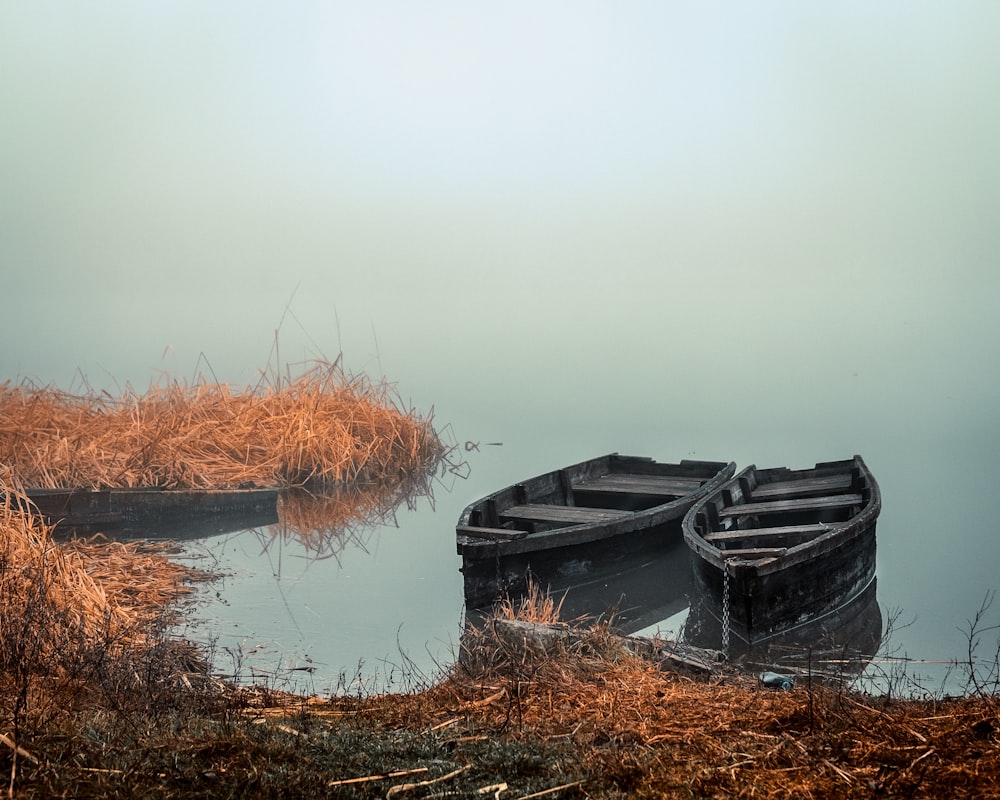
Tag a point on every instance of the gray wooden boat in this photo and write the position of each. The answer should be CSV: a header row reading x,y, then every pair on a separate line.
x,y
773,548
155,512
576,519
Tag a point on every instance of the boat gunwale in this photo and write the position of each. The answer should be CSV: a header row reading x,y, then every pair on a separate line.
x,y
568,535
839,533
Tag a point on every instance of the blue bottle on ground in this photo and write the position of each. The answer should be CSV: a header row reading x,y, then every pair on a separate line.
x,y
773,680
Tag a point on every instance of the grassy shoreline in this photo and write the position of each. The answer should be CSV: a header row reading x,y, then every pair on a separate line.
x,y
591,721
97,699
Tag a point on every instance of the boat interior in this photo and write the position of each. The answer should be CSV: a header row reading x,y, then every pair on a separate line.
x,y
762,513
566,498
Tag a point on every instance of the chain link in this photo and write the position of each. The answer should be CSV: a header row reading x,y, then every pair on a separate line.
x,y
725,609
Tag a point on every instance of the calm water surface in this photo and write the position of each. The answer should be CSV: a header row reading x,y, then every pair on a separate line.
x,y
390,602
770,239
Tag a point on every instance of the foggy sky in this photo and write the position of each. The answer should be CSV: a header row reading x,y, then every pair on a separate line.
x,y
623,187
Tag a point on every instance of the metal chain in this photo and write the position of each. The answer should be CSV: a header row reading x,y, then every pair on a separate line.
x,y
725,609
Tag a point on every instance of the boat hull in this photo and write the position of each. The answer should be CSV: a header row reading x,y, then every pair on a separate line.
x,y
775,588
833,647
154,512
577,521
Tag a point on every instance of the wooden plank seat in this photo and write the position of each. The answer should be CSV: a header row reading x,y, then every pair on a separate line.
x,y
803,486
566,514
797,504
754,552
639,484
802,532
479,532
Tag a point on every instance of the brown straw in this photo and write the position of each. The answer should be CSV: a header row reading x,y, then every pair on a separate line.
x,y
320,428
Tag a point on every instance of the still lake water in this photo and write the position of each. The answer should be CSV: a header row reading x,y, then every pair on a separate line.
x,y
765,238
391,602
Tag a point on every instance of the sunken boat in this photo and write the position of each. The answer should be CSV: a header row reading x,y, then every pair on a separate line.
x,y
577,520
772,549
154,512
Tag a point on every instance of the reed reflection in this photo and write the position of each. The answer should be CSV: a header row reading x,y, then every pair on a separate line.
x,y
324,523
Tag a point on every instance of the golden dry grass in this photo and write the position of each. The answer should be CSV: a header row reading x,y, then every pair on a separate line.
x,y
340,446
321,427
628,729
60,600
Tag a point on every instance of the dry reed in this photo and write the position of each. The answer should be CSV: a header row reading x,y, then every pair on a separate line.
x,y
321,427
638,731
58,600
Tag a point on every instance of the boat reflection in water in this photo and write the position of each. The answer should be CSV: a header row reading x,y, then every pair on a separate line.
x,y
657,596
834,646
636,592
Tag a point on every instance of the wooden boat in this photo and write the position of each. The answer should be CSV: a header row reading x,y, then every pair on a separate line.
x,y
570,519
779,547
154,512
831,647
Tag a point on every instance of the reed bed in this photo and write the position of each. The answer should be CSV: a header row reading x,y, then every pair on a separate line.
x,y
318,428
66,608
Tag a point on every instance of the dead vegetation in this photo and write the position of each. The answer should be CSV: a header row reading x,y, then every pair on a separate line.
x,y
606,723
96,704
82,627
97,700
319,428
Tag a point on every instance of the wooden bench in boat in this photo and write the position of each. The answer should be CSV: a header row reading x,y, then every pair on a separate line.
x,y
801,486
479,532
567,514
798,504
804,532
751,554
639,484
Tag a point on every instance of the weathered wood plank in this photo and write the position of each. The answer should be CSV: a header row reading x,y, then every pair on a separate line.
x,y
640,484
777,532
751,553
571,514
801,486
479,532
798,504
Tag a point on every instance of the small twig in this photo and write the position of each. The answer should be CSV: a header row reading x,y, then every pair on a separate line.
x,y
446,724
846,777
405,787
5,739
486,700
920,758
380,777
551,791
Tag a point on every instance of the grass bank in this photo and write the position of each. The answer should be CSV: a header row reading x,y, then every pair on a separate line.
x,y
591,722
98,700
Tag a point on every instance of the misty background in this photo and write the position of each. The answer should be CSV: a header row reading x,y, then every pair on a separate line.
x,y
763,232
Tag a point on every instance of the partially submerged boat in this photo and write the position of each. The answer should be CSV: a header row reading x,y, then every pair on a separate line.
x,y
832,648
154,512
773,549
568,520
